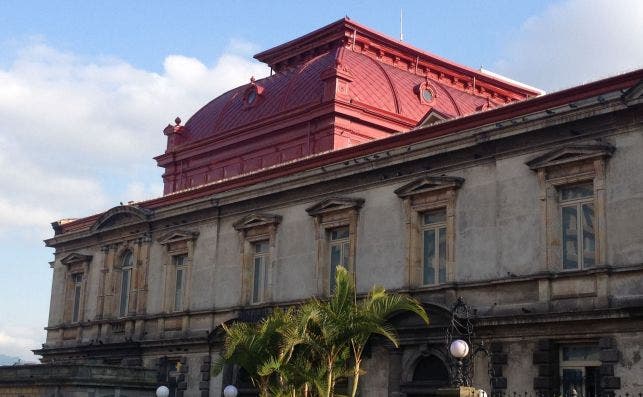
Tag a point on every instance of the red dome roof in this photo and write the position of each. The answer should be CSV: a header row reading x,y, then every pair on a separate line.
x,y
375,84
339,86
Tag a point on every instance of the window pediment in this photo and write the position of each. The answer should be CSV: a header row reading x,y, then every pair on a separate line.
x,y
634,95
75,258
429,184
177,236
432,117
257,220
334,204
121,216
571,153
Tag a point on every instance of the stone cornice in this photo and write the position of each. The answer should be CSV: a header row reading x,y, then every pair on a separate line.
x,y
562,107
257,220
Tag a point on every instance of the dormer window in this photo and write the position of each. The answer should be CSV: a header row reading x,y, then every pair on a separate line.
x,y
252,93
251,97
427,95
426,92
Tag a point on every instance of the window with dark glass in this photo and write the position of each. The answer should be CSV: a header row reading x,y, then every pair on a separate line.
x,y
434,247
339,251
77,280
127,263
579,365
180,266
260,260
578,226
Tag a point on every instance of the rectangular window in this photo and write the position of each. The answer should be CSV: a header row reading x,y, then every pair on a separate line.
x,y
125,286
180,265
579,366
77,280
434,247
339,251
578,226
260,260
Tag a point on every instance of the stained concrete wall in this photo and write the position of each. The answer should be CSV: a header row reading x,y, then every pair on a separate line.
x,y
498,237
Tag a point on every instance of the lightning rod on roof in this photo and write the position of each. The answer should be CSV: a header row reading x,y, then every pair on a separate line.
x,y
401,30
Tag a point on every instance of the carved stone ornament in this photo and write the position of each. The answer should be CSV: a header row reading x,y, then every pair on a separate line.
x,y
121,216
176,236
429,184
432,117
256,220
571,153
334,204
634,95
75,258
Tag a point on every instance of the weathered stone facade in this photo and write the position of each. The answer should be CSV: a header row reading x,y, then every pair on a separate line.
x,y
497,176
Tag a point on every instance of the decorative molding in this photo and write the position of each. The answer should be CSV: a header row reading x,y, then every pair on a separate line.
x,y
425,86
333,204
432,117
571,153
429,184
256,220
121,216
75,258
176,236
634,95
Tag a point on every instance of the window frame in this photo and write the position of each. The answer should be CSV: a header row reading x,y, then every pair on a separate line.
x,y
75,264
344,245
125,294
77,280
253,229
581,365
177,243
578,204
258,289
568,165
332,213
436,227
179,291
421,196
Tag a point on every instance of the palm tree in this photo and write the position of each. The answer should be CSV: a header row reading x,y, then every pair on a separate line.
x,y
254,347
370,316
304,351
344,326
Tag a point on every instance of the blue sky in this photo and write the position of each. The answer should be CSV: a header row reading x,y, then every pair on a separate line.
x,y
87,87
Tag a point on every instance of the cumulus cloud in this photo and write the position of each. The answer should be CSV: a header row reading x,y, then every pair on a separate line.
x,y
78,135
16,341
576,41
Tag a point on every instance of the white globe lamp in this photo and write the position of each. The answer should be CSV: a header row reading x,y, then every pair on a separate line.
x,y
230,391
162,391
459,349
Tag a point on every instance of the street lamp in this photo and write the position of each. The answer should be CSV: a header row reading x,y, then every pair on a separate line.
x,y
162,391
230,391
459,350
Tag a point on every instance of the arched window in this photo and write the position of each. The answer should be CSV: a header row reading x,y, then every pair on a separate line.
x,y
432,371
127,263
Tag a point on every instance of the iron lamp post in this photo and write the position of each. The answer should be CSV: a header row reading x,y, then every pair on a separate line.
x,y
459,349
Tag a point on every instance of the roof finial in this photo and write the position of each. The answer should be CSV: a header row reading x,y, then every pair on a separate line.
x,y
252,79
177,120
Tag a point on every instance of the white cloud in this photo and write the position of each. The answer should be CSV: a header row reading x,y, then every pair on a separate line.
x,y
19,341
78,135
576,41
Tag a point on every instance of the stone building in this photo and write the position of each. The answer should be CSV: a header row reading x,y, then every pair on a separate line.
x,y
418,174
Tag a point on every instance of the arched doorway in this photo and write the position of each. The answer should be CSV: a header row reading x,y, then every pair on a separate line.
x,y
430,373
